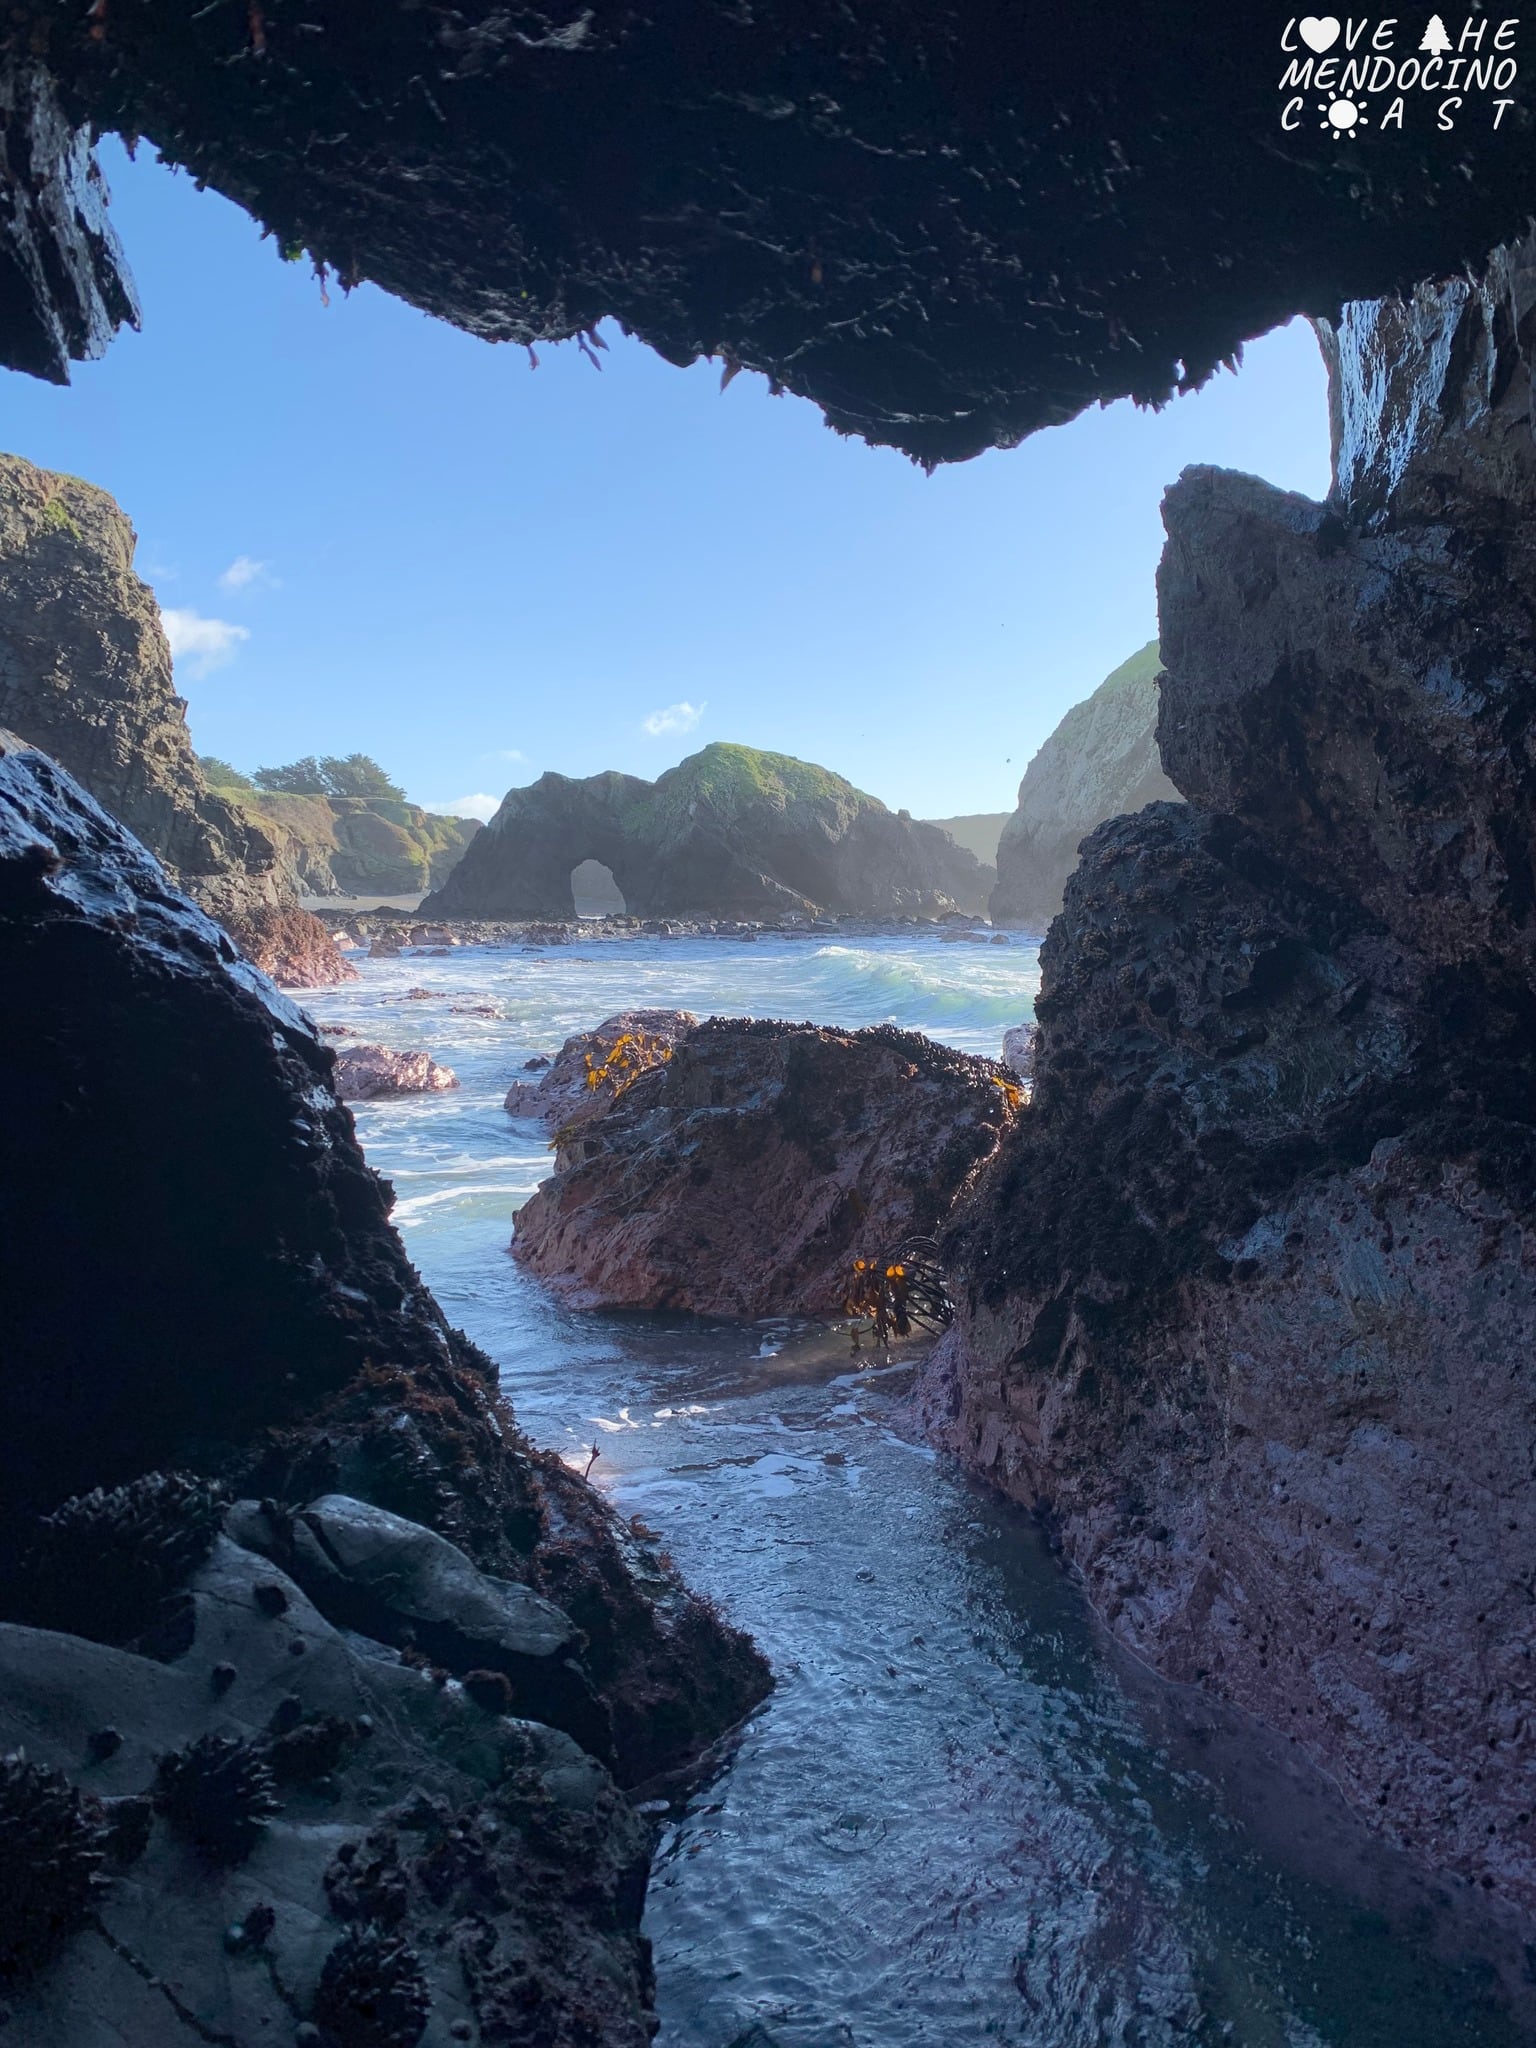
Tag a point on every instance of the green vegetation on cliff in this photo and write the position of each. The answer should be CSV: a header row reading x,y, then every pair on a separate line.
x,y
346,843
731,779
331,775
221,776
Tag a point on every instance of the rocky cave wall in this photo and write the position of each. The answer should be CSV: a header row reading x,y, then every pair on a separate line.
x,y
947,224
1248,1302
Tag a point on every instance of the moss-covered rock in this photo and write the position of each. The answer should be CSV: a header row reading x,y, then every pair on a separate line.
x,y
729,832
357,846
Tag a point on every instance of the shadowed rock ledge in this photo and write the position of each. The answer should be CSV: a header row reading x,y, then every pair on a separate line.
x,y
1247,1303
397,1658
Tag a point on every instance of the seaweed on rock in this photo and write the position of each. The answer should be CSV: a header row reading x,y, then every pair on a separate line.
x,y
52,1847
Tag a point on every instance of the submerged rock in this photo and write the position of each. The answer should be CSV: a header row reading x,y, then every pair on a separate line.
x,y
1247,1301
744,1175
251,1319
365,1072
730,832
1101,761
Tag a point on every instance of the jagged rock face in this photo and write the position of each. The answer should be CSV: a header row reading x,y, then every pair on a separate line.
x,y
1100,762
729,832
743,1173
944,225
1379,653
85,675
1248,1299
197,1269
64,284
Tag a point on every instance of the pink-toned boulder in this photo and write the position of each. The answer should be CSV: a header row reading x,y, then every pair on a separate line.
x,y
364,1073
558,1089
744,1176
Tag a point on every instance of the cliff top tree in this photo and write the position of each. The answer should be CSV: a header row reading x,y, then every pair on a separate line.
x,y
357,775
220,774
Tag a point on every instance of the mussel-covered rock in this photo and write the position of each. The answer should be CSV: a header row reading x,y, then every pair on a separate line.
x,y
372,1993
220,1793
52,1847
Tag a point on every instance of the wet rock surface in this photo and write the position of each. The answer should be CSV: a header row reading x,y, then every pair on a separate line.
x,y
413,1854
85,675
942,227
252,1320
743,1175
558,1090
730,832
1247,1303
365,1072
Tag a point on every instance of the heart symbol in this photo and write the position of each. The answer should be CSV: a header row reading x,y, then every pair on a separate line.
x,y
1319,33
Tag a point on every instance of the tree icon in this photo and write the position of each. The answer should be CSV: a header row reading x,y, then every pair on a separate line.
x,y
1435,38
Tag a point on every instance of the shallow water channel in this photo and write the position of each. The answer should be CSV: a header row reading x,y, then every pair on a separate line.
x,y
963,1816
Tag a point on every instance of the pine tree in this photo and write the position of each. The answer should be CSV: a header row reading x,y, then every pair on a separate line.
x,y
1436,41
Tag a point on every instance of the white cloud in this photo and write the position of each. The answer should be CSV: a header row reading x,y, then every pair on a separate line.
x,y
511,754
675,718
200,645
480,805
242,572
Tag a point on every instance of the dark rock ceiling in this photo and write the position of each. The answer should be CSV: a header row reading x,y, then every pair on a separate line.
x,y
946,224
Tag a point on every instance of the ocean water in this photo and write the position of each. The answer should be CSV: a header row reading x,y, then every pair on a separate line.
x,y
963,1816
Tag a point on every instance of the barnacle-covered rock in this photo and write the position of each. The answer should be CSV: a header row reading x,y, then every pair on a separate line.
x,y
1247,1302
103,1562
373,1993
220,1792
260,1317
745,1174
52,1847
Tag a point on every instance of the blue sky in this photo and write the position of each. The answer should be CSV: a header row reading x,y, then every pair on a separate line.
x,y
369,531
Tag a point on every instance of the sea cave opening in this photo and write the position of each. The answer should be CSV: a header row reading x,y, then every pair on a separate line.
x,y
594,892
968,1807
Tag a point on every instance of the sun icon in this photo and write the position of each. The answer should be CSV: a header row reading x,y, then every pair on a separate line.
x,y
1343,116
